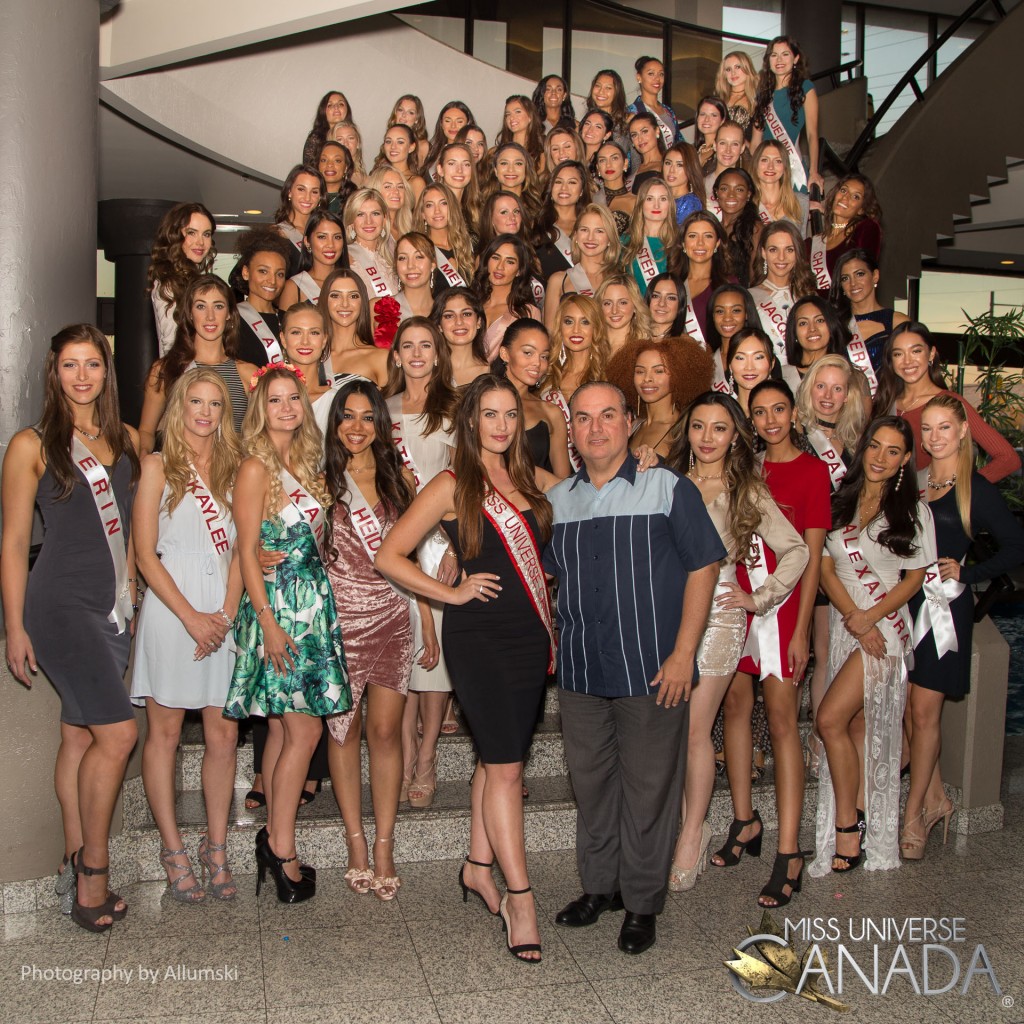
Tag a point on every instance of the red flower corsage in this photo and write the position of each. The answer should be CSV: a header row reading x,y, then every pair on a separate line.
x,y
387,315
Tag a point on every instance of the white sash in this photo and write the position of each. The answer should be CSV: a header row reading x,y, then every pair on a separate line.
x,y
368,264
262,330
690,324
110,519
564,245
857,353
537,287
829,454
394,404
796,165
762,212
214,518
305,283
713,206
293,234
522,548
310,509
773,320
666,132
763,644
578,277
445,265
557,399
895,622
819,264
646,264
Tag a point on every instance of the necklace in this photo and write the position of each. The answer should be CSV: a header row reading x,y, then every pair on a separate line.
x,y
825,423
907,406
941,485
701,478
837,226
85,433
614,193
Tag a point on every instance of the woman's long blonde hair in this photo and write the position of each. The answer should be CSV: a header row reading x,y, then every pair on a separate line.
x,y
722,88
851,419
402,224
642,324
458,234
965,458
667,233
307,448
225,456
599,352
790,203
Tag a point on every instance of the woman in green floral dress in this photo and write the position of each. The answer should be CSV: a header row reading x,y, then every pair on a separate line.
x,y
290,665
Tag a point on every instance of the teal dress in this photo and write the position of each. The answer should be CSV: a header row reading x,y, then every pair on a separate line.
x,y
302,602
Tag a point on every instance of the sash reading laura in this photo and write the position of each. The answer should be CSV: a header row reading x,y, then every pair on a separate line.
x,y
577,276
763,641
819,264
311,509
557,399
445,265
110,517
646,264
516,535
829,454
796,165
367,262
262,330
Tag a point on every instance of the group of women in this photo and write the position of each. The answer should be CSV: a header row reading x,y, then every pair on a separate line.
x,y
337,486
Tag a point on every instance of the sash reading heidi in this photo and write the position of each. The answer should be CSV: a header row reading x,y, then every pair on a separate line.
x,y
646,263
897,625
394,404
445,265
368,265
819,264
557,399
763,644
516,535
262,330
311,509
213,519
796,165
829,454
110,518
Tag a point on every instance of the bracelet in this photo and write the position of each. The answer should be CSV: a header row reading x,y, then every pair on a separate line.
x,y
227,618
262,610
133,579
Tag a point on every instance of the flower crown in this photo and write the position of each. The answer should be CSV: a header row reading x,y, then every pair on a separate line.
x,y
264,370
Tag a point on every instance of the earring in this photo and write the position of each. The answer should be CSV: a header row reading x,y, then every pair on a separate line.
x,y
764,266
732,446
692,461
562,356
351,234
638,406
899,479
732,382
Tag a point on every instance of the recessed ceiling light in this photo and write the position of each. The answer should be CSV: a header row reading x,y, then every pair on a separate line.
x,y
253,213
1007,263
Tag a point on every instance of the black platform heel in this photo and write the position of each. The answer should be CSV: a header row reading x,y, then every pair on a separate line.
x,y
780,878
263,839
288,890
734,848
467,889
850,861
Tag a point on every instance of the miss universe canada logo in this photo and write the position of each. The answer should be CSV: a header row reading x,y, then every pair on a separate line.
x,y
859,956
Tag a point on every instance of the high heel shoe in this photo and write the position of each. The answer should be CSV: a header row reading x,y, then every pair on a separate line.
x,y
467,889
193,893
288,890
88,917
684,879
911,844
506,926
226,889
385,887
779,879
263,839
851,861
423,788
929,819
734,848
357,879
65,884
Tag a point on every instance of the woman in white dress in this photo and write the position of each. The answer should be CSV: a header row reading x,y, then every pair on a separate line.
x,y
184,541
880,530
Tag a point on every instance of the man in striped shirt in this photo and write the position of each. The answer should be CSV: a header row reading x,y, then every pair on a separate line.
x,y
636,556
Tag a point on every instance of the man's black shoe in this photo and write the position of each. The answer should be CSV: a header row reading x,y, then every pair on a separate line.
x,y
587,909
637,933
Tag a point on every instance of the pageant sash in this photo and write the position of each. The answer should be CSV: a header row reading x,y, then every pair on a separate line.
x,y
537,287
557,399
829,454
666,133
445,265
762,212
857,353
896,623
310,509
110,519
690,324
646,264
293,234
577,276
796,165
262,330
368,264
764,643
713,206
521,545
563,243
819,264
305,283
394,404
773,320
214,519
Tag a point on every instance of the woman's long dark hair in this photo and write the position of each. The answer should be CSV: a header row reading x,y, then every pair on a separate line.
x,y
520,295
439,140
618,111
836,296
471,483
566,114
57,425
744,228
183,351
766,83
890,384
320,216
839,336
678,327
170,270
442,398
898,504
751,318
544,229
719,105
870,209
473,301
395,492
679,263
364,325
798,437
281,215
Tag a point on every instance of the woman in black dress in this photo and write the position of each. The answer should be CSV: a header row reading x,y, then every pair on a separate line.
x,y
962,502
490,505
70,616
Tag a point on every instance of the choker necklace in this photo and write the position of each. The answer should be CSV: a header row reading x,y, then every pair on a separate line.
x,y
614,193
940,485
836,226
91,437
698,476
825,423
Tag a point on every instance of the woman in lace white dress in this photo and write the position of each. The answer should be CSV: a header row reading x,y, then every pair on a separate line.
x,y
880,529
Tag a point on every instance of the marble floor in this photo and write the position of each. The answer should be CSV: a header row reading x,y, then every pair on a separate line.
x,y
427,957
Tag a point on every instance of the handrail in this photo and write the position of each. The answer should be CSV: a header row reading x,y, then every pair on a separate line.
x,y
717,33
910,78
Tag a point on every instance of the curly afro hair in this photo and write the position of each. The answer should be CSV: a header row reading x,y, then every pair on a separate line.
x,y
690,368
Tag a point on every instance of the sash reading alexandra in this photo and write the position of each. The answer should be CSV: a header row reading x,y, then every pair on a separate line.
x,y
796,165
819,264
763,644
829,454
894,621
311,509
305,283
445,265
516,535
773,320
294,235
110,518
690,324
262,330
557,399
578,277
368,265
214,519
563,243
857,352
394,404
646,263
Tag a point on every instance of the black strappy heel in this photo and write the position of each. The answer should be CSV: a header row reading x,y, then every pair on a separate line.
x,y
506,924
467,889
734,848
850,861
780,878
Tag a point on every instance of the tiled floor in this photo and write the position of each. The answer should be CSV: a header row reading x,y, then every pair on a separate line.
x,y
428,957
